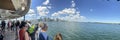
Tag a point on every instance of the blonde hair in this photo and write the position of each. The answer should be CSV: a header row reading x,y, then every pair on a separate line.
x,y
43,26
58,36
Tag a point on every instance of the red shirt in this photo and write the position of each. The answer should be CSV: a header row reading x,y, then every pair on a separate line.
x,y
22,34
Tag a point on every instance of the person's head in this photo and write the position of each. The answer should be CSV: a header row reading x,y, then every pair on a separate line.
x,y
3,21
58,37
17,23
43,26
24,25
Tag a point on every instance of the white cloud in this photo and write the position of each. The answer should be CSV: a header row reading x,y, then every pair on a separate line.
x,y
31,11
49,7
76,17
31,14
46,2
69,11
55,14
73,4
65,11
42,10
21,18
72,14
82,17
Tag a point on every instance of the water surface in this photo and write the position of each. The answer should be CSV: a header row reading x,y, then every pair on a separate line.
x,y
84,31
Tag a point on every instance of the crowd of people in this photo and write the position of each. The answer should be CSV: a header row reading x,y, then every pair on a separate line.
x,y
27,31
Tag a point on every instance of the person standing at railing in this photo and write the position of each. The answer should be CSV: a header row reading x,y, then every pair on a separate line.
x,y
23,34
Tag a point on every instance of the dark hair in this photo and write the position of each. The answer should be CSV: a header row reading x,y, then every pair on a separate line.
x,y
23,23
17,23
3,23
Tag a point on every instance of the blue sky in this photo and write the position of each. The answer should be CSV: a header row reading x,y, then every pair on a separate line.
x,y
78,10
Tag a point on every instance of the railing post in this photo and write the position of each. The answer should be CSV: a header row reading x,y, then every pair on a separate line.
x,y
24,18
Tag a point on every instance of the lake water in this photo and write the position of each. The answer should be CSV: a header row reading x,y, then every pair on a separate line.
x,y
84,31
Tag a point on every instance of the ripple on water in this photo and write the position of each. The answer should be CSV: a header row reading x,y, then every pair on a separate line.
x,y
84,31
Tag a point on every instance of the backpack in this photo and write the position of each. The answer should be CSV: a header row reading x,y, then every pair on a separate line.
x,y
41,37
